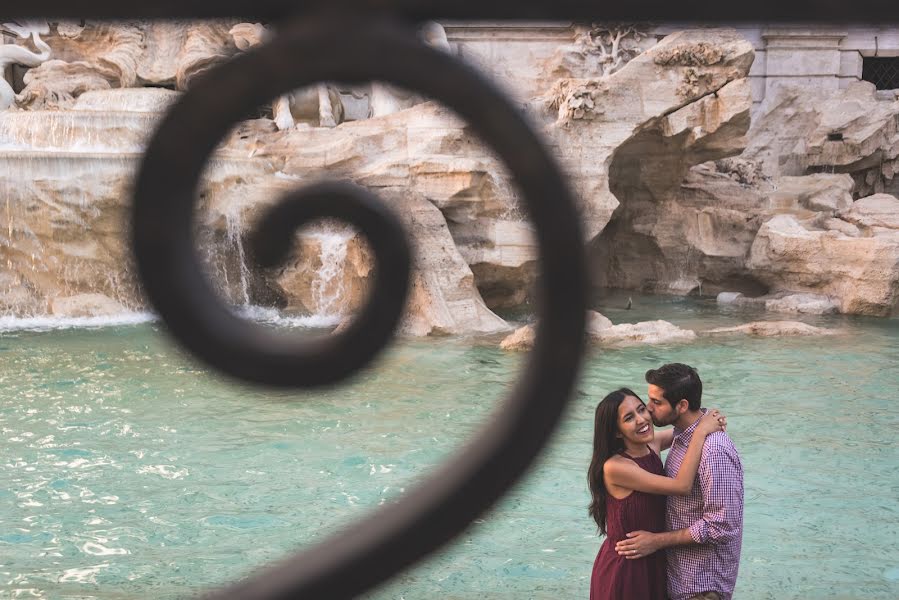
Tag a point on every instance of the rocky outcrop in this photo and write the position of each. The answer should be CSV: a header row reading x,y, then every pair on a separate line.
x,y
811,158
860,272
702,116
770,329
645,332
688,114
521,339
601,331
876,213
848,131
787,302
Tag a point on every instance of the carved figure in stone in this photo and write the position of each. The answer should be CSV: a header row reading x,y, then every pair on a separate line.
x,y
91,57
599,50
14,54
319,105
386,99
615,44
105,55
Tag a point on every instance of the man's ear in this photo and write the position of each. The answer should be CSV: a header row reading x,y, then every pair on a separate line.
x,y
683,406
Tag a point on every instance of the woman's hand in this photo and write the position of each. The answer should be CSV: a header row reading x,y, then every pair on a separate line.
x,y
712,421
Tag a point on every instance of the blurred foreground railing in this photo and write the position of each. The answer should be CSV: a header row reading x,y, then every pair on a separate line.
x,y
355,42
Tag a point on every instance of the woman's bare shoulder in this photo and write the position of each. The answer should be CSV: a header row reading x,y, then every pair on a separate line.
x,y
616,462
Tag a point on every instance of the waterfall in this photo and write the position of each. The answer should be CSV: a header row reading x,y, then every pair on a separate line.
x,y
234,229
328,286
65,183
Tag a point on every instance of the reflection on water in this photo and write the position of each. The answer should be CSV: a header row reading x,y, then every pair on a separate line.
x,y
128,471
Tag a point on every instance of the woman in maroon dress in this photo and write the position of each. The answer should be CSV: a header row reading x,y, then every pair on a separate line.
x,y
629,486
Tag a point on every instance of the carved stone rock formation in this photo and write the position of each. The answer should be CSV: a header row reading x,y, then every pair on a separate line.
x,y
675,197
851,130
601,331
770,329
645,332
103,55
788,302
807,156
629,158
600,50
15,54
860,272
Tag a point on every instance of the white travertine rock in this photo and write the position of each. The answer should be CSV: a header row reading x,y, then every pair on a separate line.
x,y
847,130
591,138
811,304
596,323
803,303
599,50
729,298
520,339
770,329
844,227
878,210
861,273
645,332
601,331
820,192
443,297
807,155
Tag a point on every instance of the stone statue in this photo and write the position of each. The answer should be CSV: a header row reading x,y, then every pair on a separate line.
x,y
387,99
319,105
13,54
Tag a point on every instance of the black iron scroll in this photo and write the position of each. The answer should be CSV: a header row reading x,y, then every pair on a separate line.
x,y
354,50
360,41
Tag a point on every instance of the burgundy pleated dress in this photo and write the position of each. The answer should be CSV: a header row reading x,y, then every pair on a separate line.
x,y
615,577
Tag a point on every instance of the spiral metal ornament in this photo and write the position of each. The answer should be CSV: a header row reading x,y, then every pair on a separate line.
x,y
356,50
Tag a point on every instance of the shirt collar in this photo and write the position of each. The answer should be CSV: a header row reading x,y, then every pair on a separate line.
x,y
687,434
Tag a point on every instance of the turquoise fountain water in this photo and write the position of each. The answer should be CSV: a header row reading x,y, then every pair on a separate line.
x,y
128,471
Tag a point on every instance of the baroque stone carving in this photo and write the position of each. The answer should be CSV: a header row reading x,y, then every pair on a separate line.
x,y
13,54
599,50
104,55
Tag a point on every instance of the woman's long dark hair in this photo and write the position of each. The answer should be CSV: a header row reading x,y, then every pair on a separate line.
x,y
606,444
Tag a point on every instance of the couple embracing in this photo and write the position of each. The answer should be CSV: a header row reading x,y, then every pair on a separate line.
x,y
672,531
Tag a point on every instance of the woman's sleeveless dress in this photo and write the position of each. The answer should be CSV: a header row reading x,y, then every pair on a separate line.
x,y
615,577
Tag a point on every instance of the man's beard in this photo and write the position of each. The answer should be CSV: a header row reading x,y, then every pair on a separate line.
x,y
660,423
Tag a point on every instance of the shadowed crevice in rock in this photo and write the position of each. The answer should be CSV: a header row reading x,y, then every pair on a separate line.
x,y
662,238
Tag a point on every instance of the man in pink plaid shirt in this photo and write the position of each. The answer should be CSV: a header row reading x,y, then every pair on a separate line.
x,y
705,528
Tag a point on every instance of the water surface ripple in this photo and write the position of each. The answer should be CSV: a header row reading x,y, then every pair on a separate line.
x,y
128,471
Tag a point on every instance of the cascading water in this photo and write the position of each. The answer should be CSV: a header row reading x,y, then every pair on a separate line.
x,y
328,287
65,173
234,228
